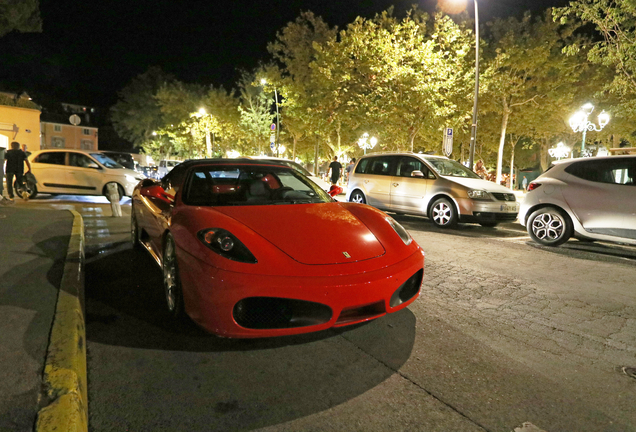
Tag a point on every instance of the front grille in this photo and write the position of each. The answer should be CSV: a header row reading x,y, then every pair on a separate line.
x,y
277,313
361,313
504,196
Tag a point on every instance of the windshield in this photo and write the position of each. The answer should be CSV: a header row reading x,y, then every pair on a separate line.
x,y
105,160
232,185
449,167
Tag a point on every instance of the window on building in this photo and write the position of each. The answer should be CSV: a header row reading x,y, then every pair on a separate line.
x,y
57,142
86,131
57,128
87,145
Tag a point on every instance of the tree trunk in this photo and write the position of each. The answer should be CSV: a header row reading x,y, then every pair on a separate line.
x,y
512,167
316,170
544,155
294,147
502,139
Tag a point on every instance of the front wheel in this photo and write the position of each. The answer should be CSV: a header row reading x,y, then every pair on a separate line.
x,y
27,190
357,197
443,213
549,226
171,279
135,235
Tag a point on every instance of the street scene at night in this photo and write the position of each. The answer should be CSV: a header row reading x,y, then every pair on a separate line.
x,y
313,216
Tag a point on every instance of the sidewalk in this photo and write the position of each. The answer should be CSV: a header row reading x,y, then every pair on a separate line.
x,y
33,246
41,285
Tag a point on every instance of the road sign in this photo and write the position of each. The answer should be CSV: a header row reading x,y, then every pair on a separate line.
x,y
272,146
448,142
272,138
74,119
273,126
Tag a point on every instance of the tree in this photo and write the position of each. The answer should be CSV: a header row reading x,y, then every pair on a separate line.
x,y
524,66
255,113
20,15
615,20
137,114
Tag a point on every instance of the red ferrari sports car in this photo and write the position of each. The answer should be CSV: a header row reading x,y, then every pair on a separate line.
x,y
252,248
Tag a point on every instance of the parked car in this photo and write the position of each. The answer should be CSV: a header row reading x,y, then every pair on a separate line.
x,y
298,167
165,166
588,198
434,186
79,172
255,249
122,158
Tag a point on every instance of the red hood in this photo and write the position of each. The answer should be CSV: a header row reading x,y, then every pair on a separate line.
x,y
311,233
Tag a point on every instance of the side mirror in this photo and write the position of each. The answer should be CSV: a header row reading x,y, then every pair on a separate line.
x,y
155,191
417,173
148,182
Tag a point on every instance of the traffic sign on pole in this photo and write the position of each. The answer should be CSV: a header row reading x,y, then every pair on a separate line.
x,y
447,148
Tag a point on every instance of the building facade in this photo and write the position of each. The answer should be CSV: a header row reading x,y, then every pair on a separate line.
x,y
20,124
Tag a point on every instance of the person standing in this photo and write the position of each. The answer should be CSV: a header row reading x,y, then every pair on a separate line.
x,y
334,170
15,166
349,168
524,183
3,200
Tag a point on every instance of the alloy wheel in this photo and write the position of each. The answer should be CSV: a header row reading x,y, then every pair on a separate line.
x,y
548,227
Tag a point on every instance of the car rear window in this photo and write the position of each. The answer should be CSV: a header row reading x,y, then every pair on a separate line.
x,y
228,185
614,171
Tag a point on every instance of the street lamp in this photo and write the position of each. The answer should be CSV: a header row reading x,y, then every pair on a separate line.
x,y
473,129
579,123
365,143
263,82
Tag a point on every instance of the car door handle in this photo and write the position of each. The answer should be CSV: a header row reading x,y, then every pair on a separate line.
x,y
395,184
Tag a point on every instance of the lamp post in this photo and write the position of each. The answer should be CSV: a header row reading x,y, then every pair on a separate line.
x,y
365,143
579,123
263,82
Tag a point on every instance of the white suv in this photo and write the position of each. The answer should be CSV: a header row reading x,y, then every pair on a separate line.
x,y
79,172
588,198
165,166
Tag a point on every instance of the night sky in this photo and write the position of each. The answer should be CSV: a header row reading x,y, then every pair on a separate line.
x,y
90,49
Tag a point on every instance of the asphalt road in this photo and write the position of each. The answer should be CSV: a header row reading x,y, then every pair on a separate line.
x,y
505,333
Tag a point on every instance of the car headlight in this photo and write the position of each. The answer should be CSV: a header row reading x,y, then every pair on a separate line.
x,y
478,194
399,229
226,244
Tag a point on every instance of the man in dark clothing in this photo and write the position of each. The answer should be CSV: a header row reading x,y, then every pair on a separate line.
x,y
335,168
15,166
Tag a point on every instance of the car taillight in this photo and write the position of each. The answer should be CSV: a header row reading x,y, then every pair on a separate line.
x,y
533,186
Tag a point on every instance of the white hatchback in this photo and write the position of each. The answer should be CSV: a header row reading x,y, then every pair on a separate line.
x,y
79,172
588,198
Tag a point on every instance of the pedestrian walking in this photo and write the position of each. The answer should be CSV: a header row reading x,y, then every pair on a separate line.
x,y
349,168
335,169
524,183
16,159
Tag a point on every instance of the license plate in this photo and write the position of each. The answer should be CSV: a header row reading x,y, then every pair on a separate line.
x,y
508,208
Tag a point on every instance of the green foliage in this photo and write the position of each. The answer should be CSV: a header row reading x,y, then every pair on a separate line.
x,y
137,113
20,15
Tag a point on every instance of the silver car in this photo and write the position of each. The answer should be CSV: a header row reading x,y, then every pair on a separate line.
x,y
588,198
434,186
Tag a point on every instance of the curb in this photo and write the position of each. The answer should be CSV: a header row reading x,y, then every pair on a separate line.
x,y
64,377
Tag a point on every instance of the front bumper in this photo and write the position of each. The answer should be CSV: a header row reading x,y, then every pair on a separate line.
x,y
487,211
216,299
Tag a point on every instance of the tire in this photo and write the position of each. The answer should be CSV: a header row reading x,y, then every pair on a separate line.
x,y
29,187
443,213
357,197
135,234
120,191
171,279
489,224
549,226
